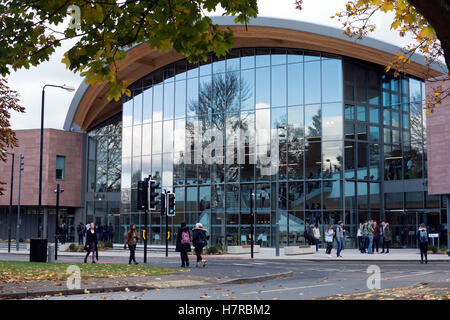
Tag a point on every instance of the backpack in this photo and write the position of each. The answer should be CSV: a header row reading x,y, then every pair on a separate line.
x,y
202,238
185,238
423,236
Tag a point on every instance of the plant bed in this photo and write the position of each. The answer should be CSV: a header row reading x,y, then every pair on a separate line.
x,y
243,249
80,247
292,250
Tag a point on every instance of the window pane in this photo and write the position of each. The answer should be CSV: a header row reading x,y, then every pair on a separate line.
x,y
147,105
331,80
295,128
127,113
313,157
279,85
157,102
137,108
247,89
146,139
374,115
168,100
313,121
180,99
192,97
295,84
332,121
331,160
60,167
312,83
262,88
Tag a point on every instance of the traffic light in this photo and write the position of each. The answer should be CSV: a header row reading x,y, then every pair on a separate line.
x,y
142,192
170,204
153,194
21,162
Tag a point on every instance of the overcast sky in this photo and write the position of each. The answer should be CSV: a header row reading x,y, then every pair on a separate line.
x,y
29,83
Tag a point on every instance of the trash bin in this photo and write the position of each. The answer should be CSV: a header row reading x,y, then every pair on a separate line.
x,y
38,250
51,253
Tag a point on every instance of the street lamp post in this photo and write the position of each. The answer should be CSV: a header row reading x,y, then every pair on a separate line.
x,y
57,191
252,217
68,88
10,199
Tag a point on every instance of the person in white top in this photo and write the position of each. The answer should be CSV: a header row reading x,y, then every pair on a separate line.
x,y
359,236
329,239
316,232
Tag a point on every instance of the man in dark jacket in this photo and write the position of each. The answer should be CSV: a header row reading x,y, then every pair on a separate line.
x,y
199,238
387,237
309,234
183,244
80,231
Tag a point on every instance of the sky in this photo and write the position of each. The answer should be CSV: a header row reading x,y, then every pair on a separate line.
x,y
29,82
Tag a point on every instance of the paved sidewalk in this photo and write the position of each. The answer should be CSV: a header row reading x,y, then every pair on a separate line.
x,y
269,254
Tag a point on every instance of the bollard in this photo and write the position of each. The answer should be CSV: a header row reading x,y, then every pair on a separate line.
x,y
51,253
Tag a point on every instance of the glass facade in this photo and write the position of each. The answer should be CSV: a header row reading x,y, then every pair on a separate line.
x,y
312,135
104,168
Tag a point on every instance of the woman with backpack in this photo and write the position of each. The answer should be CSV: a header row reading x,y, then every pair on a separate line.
x,y
199,238
183,244
422,234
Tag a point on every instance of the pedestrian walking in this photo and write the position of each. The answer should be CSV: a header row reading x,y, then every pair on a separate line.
x,y
381,228
365,239
91,243
340,238
316,233
62,233
110,232
387,237
80,232
369,234
199,238
183,244
359,236
376,236
309,234
329,233
422,235
131,240
263,196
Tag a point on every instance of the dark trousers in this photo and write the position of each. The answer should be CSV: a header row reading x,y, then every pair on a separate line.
x,y
317,244
198,253
184,259
329,247
376,243
92,249
364,244
359,242
80,238
386,244
423,250
132,248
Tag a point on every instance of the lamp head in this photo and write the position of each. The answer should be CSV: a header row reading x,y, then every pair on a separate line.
x,y
68,88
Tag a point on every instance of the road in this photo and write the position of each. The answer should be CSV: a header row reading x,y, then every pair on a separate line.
x,y
311,279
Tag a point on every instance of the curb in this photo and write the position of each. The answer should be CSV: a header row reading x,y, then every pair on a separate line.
x,y
67,292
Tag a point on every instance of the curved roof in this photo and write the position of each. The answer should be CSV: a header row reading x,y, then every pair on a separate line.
x,y
89,106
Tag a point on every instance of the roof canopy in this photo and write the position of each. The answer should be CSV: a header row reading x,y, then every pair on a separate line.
x,y
90,105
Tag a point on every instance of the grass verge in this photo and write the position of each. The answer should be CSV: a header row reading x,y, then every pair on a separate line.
x,y
22,271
